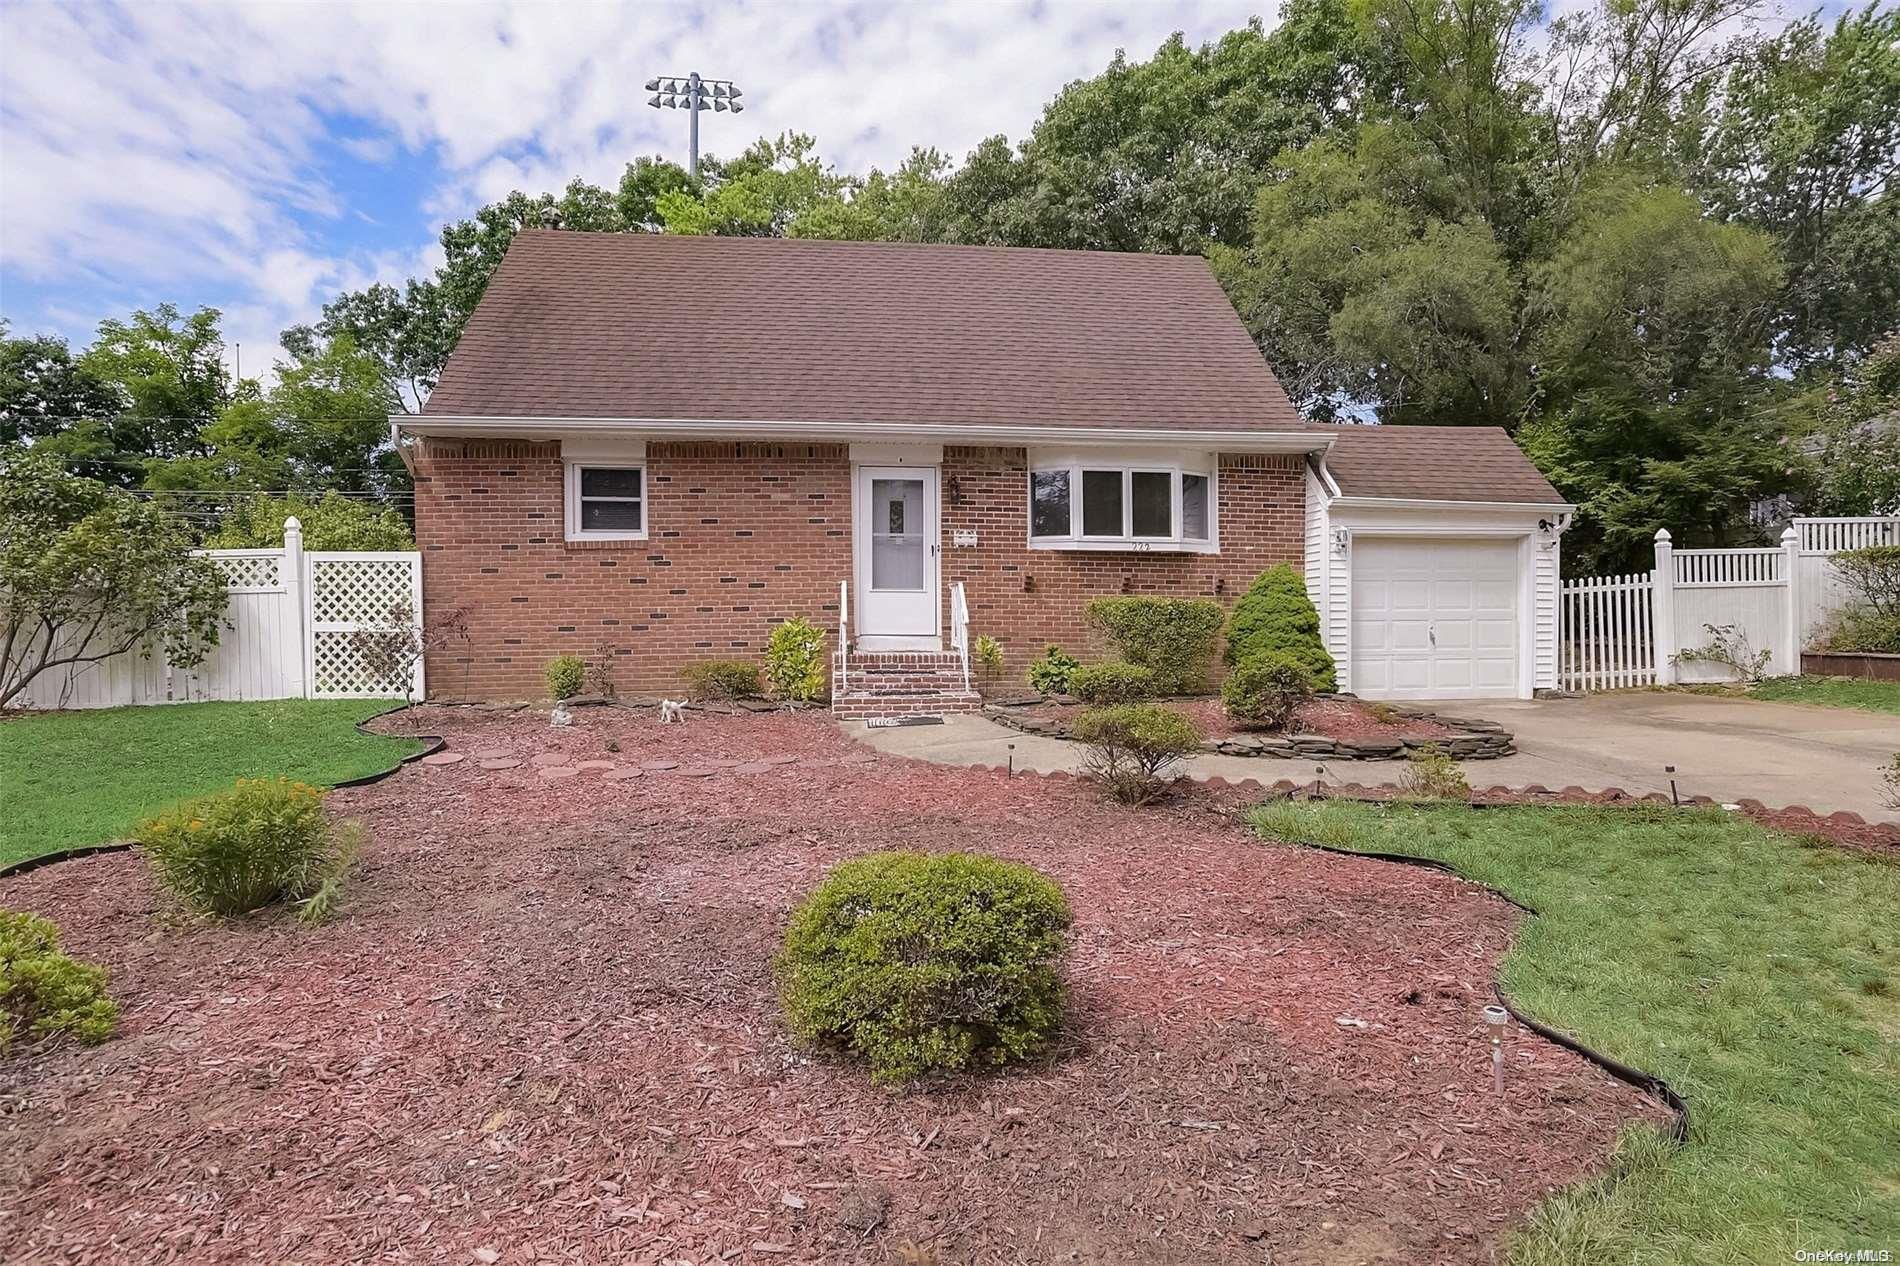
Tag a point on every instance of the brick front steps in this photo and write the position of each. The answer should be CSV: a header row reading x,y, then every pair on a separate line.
x,y
1472,739
899,684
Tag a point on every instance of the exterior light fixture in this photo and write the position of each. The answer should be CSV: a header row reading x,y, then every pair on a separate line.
x,y
693,94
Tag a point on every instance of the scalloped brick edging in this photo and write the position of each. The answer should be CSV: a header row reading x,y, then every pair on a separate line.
x,y
1471,738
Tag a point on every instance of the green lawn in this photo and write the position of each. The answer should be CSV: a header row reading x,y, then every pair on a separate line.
x,y
1754,973
1834,692
84,777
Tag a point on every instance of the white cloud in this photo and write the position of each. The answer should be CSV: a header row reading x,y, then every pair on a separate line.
x,y
153,144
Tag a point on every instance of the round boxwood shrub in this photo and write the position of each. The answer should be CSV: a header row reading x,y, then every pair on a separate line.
x,y
922,962
565,675
265,840
723,679
1113,682
43,993
1276,615
1174,638
1267,690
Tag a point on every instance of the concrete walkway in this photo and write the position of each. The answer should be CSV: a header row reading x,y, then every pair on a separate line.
x,y
1728,749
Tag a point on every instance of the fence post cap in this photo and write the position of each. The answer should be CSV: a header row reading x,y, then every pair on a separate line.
x,y
1789,536
292,525
1662,536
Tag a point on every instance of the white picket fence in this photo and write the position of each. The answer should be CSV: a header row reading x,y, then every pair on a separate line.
x,y
287,635
1623,631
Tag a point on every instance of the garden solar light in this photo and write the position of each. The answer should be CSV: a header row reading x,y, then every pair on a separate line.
x,y
693,94
1674,799
1495,1018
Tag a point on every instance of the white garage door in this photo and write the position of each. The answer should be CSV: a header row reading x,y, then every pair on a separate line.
x,y
1434,619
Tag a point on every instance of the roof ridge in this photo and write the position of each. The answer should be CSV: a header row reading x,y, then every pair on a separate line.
x,y
754,243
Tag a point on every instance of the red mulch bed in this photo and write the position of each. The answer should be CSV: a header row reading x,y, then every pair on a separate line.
x,y
543,1029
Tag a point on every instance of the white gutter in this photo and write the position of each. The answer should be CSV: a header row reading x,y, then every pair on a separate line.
x,y
451,426
1408,503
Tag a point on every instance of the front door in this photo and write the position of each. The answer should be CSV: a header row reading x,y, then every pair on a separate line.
x,y
896,531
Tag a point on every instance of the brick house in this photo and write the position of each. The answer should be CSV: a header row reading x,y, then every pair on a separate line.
x,y
663,446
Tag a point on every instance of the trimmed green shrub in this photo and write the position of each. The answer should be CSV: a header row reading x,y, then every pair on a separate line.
x,y
795,661
723,679
1267,690
1050,674
1276,615
1174,638
265,840
1134,748
1431,774
1858,627
1112,682
565,675
1873,574
923,962
45,994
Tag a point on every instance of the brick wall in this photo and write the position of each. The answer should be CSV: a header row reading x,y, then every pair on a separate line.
x,y
741,536
1025,598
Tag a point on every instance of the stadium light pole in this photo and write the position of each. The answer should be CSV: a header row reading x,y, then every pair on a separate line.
x,y
693,94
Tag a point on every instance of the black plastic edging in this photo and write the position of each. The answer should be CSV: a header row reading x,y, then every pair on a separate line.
x,y
432,743
1648,1083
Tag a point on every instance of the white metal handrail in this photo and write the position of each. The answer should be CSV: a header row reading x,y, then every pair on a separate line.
x,y
844,631
960,629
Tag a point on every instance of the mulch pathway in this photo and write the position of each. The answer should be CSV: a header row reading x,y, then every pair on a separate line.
x,y
542,1029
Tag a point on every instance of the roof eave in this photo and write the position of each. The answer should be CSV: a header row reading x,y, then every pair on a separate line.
x,y
472,426
1427,503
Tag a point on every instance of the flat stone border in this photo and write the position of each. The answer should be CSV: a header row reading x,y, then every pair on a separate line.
x,y
1472,738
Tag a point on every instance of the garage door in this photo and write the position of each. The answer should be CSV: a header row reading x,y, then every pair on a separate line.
x,y
1434,619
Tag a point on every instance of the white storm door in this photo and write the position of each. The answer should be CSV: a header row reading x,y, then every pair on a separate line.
x,y
896,550
1434,618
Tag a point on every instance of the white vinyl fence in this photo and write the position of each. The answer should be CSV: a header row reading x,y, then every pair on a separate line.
x,y
287,632
1621,631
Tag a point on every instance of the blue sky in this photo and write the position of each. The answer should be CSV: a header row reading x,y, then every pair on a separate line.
x,y
261,157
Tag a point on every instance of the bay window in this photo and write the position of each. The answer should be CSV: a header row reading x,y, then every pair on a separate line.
x,y
1079,501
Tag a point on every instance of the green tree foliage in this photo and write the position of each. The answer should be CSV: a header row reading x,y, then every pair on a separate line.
x,y
1848,426
88,572
331,521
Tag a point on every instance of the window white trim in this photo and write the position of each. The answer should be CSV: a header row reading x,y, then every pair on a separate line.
x,y
572,480
1128,465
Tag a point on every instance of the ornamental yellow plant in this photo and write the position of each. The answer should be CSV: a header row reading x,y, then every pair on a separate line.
x,y
265,840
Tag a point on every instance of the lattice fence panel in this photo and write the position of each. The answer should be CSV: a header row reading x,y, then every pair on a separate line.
x,y
351,594
252,573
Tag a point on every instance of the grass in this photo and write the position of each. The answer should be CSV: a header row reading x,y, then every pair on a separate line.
x,y
69,778
1833,692
1754,973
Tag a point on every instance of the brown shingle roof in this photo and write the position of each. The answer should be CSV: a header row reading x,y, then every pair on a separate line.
x,y
1435,463
635,325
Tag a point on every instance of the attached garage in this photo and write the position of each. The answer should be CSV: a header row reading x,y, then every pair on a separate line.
x,y
1432,556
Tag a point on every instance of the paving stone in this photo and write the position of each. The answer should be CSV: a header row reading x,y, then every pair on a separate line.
x,y
753,767
721,762
595,766
494,753
552,772
780,758
501,762
697,771
550,758
445,758
657,765
623,774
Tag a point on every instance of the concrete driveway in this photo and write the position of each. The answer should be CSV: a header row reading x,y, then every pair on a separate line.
x,y
1728,749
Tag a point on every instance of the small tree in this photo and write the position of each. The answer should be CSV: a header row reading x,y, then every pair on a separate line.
x,y
1873,574
88,572
332,521
1276,615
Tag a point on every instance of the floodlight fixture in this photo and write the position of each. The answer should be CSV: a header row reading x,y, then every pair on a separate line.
x,y
693,94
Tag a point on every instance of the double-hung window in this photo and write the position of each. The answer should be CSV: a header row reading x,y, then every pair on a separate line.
x,y
1078,502
606,502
